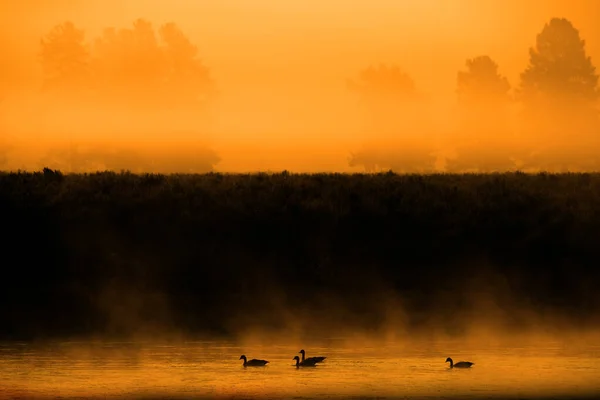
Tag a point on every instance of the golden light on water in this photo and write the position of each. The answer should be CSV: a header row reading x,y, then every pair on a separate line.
x,y
200,369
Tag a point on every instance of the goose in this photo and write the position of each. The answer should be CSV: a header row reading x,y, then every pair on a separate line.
x,y
460,364
305,363
254,362
312,359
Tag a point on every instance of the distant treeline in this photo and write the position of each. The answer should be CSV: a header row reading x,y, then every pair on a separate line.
x,y
119,253
549,120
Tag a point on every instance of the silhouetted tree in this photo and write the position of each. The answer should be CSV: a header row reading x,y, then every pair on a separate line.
x,y
139,66
389,97
483,142
130,65
558,89
559,67
188,79
65,58
383,92
481,84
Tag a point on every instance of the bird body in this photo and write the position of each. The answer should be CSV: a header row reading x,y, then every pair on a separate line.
x,y
460,364
311,359
254,362
305,363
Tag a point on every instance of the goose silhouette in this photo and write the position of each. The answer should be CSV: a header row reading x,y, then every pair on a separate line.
x,y
311,359
254,362
305,363
460,364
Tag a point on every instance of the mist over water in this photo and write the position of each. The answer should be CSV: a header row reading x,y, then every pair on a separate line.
x,y
134,285
532,368
123,255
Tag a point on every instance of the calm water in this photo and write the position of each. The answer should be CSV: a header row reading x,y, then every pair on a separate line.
x,y
213,369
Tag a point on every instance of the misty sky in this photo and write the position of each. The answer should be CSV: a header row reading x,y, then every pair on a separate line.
x,y
282,66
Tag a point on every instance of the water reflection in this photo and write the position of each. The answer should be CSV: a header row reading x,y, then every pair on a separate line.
x,y
201,369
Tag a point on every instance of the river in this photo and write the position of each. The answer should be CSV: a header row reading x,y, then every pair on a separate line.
x,y
205,369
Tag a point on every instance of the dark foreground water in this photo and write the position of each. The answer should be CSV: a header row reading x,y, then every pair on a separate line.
x,y
213,369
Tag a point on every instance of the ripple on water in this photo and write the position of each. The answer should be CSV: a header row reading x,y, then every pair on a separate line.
x,y
198,369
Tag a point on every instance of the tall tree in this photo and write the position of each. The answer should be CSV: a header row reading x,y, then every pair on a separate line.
x,y
559,68
559,89
188,79
390,100
481,84
483,140
384,93
130,64
142,66
65,59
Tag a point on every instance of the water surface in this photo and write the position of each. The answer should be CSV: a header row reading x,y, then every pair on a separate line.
x,y
213,369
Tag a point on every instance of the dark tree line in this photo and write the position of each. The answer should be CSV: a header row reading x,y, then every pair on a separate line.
x,y
559,126
108,254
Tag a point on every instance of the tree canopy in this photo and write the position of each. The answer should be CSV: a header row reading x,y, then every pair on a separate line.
x,y
481,83
386,95
559,91
65,58
483,138
139,65
559,67
383,84
389,97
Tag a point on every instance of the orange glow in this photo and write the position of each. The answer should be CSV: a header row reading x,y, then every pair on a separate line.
x,y
280,70
198,369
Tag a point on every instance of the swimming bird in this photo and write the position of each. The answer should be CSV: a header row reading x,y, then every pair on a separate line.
x,y
460,364
305,363
254,362
315,359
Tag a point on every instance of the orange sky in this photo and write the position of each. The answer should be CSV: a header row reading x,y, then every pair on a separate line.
x,y
281,66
